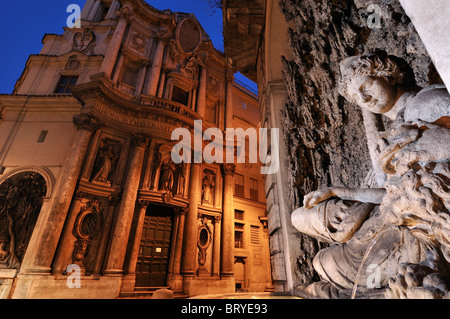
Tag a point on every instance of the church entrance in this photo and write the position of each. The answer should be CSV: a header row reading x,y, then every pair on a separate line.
x,y
153,259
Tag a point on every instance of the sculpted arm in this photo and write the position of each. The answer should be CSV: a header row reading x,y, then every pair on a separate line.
x,y
364,195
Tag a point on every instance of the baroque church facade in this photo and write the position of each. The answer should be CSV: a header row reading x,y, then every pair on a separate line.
x,y
88,187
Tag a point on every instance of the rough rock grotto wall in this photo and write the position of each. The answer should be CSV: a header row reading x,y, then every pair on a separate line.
x,y
325,135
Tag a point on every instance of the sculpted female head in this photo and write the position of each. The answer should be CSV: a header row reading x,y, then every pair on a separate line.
x,y
372,80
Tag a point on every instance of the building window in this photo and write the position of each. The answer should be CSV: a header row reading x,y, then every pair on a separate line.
x,y
238,185
244,105
254,235
238,235
65,83
180,96
130,74
239,214
253,189
42,136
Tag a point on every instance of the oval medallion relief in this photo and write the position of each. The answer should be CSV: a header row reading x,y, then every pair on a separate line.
x,y
189,35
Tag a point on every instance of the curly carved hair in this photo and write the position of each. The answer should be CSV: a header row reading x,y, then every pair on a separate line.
x,y
428,192
377,64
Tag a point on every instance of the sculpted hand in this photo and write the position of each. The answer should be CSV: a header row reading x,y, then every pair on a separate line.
x,y
314,198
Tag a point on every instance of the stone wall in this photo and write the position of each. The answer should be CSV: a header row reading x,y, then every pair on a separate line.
x,y
324,134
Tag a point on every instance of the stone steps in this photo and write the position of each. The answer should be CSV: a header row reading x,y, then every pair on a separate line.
x,y
147,293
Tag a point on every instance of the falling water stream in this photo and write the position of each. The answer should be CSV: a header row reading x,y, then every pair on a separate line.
x,y
368,251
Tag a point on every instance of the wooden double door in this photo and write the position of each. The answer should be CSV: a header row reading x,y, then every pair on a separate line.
x,y
153,259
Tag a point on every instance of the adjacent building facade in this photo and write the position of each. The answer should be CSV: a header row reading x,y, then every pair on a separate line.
x,y
92,204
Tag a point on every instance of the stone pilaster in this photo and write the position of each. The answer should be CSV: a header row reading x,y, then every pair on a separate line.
x,y
116,258
201,99
130,269
103,242
155,70
44,241
189,254
67,241
216,246
116,41
227,251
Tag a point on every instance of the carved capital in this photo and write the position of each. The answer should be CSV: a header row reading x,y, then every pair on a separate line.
x,y
217,219
114,201
143,204
86,122
228,169
163,36
125,13
79,196
229,75
140,139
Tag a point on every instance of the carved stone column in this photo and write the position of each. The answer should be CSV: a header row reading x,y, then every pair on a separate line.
x,y
67,241
130,278
87,9
216,246
103,242
227,251
112,12
155,70
116,41
94,9
201,100
229,77
175,278
44,241
114,266
131,269
189,254
141,77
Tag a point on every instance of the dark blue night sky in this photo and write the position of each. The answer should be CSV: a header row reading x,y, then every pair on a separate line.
x,y
23,23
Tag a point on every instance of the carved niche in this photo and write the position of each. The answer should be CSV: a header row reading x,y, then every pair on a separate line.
x,y
203,242
208,187
21,198
105,162
166,178
157,157
87,226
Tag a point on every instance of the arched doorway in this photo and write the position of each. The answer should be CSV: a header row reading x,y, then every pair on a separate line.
x,y
21,198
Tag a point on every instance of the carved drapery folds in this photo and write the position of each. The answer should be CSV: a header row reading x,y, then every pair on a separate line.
x,y
105,163
20,203
208,187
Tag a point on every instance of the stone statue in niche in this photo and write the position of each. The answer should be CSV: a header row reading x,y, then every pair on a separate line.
x,y
166,177
156,164
392,242
84,41
20,203
182,171
208,188
105,162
